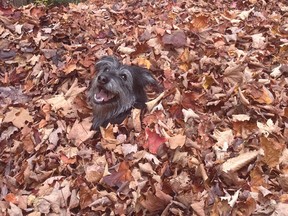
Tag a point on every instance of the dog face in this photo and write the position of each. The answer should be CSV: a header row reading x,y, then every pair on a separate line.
x,y
116,89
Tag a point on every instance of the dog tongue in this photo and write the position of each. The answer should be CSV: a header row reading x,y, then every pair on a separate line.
x,y
102,96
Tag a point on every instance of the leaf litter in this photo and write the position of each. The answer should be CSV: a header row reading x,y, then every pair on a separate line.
x,y
213,143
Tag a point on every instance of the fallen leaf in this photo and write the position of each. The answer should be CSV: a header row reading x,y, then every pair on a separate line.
x,y
177,39
70,68
236,163
125,50
128,149
65,102
80,131
268,128
199,22
136,119
199,208
117,178
189,114
231,199
258,41
18,116
280,209
143,62
240,117
154,141
245,14
95,172
272,151
263,95
155,202
146,167
243,99
177,141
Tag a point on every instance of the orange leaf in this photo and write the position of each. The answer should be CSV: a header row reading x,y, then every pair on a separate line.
x,y
11,198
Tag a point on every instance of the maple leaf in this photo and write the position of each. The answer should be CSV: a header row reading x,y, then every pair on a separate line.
x,y
18,116
154,141
189,114
95,172
177,141
65,101
80,131
117,178
156,201
268,128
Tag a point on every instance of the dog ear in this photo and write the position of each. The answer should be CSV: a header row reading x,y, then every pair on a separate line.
x,y
141,78
107,61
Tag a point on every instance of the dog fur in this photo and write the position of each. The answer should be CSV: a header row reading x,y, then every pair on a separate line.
x,y
116,89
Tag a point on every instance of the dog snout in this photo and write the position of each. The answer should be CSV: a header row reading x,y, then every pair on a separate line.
x,y
103,79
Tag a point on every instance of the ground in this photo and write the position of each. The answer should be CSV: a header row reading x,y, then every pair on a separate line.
x,y
214,142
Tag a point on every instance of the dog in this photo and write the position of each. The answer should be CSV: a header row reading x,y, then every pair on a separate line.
x,y
116,89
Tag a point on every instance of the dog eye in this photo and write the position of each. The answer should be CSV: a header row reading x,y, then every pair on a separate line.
x,y
105,70
123,76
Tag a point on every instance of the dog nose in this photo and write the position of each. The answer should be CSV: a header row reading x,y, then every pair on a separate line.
x,y
102,79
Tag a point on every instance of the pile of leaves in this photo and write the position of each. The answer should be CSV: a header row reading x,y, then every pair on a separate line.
x,y
214,142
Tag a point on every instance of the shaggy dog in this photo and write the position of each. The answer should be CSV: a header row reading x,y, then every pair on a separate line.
x,y
116,89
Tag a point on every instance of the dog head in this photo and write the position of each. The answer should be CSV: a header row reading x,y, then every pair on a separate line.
x,y
116,89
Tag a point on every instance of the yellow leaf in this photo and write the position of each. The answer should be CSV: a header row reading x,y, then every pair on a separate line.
x,y
144,62
208,81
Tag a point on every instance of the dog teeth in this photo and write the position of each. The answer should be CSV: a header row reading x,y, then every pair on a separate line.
x,y
102,96
98,99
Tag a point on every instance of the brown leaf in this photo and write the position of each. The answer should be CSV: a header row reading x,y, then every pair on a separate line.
x,y
272,151
70,68
177,39
18,116
136,119
80,132
177,141
117,178
94,172
155,202
234,73
108,138
65,102
236,163
262,95
199,207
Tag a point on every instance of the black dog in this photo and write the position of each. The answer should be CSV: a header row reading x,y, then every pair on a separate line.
x,y
116,89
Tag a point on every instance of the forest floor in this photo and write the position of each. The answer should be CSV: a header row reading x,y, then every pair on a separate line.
x,y
213,143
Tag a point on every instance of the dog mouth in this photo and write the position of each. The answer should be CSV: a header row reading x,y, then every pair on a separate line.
x,y
102,95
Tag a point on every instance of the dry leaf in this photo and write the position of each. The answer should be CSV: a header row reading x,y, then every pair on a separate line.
x,y
80,131
236,163
18,116
272,151
268,128
240,117
125,50
177,141
189,114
